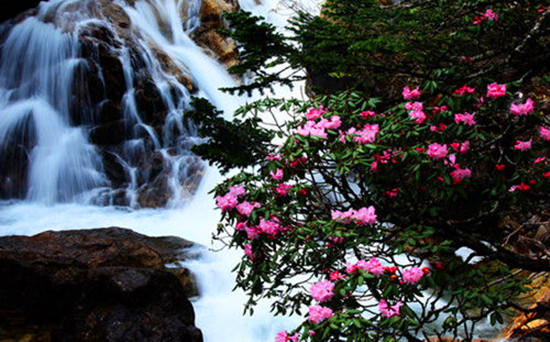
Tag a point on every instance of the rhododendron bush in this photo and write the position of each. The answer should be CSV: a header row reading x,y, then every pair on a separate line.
x,y
353,220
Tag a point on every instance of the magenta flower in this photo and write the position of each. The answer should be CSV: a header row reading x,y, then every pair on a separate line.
x,y
246,208
389,311
418,115
237,190
277,175
270,227
248,252
241,226
226,202
315,113
495,90
461,173
411,94
364,216
367,114
545,132
333,123
437,151
283,336
367,135
252,232
412,275
283,189
322,291
523,145
464,90
523,109
310,129
466,118
375,267
272,156
490,15
317,314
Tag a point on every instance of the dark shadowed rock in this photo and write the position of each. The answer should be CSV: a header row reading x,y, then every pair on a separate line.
x,y
95,285
11,8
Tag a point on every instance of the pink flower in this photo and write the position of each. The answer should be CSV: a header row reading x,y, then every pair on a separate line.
x,y
461,173
283,336
336,275
367,135
495,90
322,291
246,208
437,151
367,114
343,217
523,109
270,227
490,15
412,275
464,90
523,145
466,118
389,311
520,187
545,132
283,189
240,226
539,160
375,267
418,115
237,190
248,251
272,156
333,123
317,313
414,106
464,147
315,113
278,175
364,216
252,232
410,94
310,129
226,202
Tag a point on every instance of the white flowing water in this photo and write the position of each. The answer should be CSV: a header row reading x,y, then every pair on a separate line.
x,y
39,59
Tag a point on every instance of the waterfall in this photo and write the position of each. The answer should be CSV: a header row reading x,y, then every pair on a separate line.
x,y
90,112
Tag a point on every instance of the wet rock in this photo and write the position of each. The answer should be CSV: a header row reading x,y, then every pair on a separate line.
x,y
219,47
155,194
95,285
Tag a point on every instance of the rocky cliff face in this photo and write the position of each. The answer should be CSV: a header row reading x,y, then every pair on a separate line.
x,y
126,91
95,285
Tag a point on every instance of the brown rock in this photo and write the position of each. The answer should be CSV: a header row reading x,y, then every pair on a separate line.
x,y
94,285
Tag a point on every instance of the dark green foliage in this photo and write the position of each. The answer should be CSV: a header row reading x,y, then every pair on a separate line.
x,y
230,144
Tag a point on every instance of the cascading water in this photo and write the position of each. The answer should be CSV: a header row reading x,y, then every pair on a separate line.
x,y
91,100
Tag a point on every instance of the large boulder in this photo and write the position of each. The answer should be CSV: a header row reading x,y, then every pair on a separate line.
x,y
95,285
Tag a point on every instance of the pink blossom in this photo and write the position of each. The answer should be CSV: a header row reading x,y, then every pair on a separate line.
x,y
389,311
545,132
364,216
437,151
283,189
490,15
375,267
466,118
464,147
418,115
414,106
539,160
336,276
272,156
237,190
351,268
412,275
248,251
315,113
240,226
366,135
333,123
495,90
461,173
367,114
226,202
317,313
277,175
411,94
523,145
322,291
464,90
246,208
252,232
310,129
520,187
270,227
283,336
523,109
